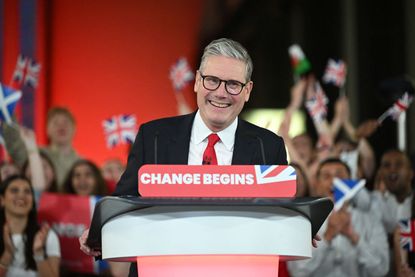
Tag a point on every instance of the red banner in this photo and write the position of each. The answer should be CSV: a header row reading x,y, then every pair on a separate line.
x,y
217,181
69,216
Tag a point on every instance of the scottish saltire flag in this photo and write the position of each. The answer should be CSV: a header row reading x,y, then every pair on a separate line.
x,y
335,73
317,104
120,129
69,215
266,174
299,62
345,189
407,231
181,74
8,101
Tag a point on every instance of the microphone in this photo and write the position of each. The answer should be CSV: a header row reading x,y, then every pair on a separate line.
x,y
156,138
261,146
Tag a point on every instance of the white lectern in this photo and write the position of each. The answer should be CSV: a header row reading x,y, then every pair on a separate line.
x,y
204,236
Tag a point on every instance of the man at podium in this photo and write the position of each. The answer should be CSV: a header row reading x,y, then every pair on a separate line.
x,y
212,135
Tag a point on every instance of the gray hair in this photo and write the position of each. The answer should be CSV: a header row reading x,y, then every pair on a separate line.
x,y
231,49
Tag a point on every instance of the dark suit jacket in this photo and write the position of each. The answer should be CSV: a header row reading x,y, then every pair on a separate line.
x,y
166,141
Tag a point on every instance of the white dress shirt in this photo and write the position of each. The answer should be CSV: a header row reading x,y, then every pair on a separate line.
x,y
199,141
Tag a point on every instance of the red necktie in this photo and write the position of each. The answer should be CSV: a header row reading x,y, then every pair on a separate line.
x,y
209,156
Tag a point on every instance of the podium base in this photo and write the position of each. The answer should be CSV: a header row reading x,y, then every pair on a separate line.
x,y
208,266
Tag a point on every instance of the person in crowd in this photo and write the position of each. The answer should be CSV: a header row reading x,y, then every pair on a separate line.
x,y
404,253
354,147
85,178
222,86
353,241
112,170
60,131
393,194
51,183
303,185
38,168
26,248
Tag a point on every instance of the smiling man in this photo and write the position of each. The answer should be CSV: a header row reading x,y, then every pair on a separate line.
x,y
214,134
223,85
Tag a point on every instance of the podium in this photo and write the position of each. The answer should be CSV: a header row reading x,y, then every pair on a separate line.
x,y
206,236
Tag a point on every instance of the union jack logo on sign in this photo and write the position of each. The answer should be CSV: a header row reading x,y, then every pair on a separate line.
x,y
266,174
120,129
407,231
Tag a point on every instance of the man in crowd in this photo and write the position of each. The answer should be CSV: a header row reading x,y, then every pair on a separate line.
x,y
353,241
60,131
392,198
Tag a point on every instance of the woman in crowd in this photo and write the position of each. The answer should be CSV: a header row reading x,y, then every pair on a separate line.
x,y
26,248
85,178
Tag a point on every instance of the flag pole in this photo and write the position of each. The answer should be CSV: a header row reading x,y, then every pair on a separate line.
x,y
383,116
402,131
342,91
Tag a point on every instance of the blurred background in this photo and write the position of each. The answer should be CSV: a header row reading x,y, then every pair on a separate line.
x,y
103,58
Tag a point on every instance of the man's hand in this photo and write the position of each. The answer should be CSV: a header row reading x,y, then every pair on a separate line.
x,y
84,248
315,240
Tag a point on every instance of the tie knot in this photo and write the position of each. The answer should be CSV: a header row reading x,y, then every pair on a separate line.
x,y
213,139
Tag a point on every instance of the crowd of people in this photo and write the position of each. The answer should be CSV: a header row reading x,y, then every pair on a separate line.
x,y
363,237
360,239
27,248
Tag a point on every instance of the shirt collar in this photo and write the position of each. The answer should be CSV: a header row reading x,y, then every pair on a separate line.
x,y
200,132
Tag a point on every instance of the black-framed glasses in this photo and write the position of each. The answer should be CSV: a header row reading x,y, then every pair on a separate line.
x,y
212,83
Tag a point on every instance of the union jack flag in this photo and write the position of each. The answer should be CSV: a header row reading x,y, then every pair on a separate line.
x,y
335,73
181,74
120,129
345,189
32,74
407,231
266,174
400,106
20,69
317,104
26,72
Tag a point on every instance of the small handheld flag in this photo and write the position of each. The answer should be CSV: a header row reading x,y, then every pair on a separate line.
x,y
32,74
8,101
317,104
120,129
26,72
181,74
398,107
299,62
407,232
335,73
345,189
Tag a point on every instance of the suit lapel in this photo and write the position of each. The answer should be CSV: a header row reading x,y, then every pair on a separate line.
x,y
244,150
178,145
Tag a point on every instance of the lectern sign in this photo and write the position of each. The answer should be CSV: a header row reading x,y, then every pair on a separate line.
x,y
216,181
